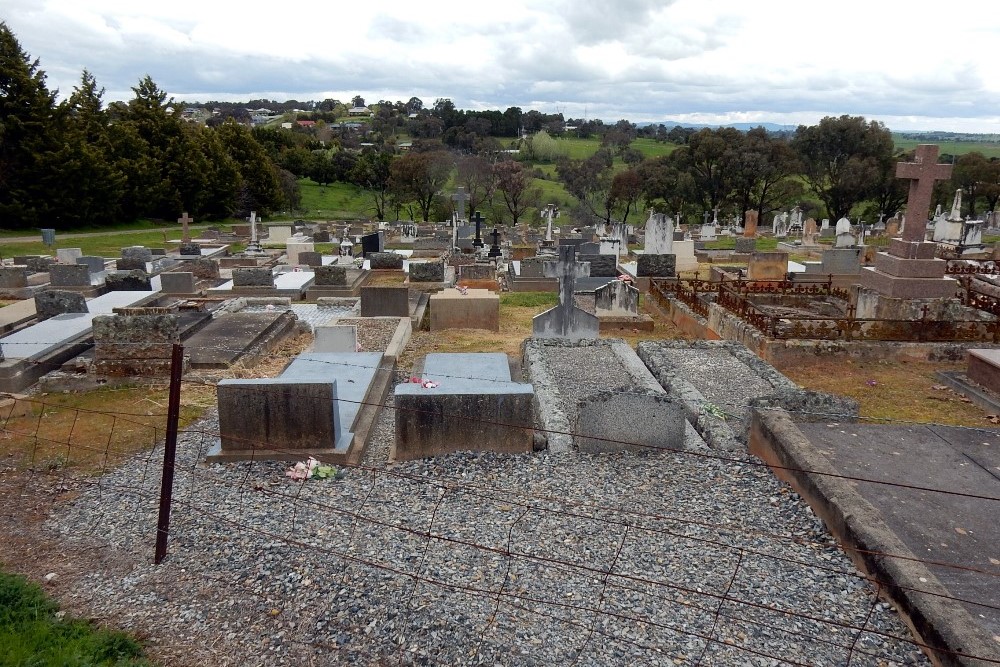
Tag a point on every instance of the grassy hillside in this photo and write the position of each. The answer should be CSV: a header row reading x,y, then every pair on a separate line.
x,y
336,200
952,147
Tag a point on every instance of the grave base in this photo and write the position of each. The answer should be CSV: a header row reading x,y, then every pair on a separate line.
x,y
901,287
626,323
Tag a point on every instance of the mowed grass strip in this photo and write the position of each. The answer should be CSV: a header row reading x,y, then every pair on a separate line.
x,y
32,633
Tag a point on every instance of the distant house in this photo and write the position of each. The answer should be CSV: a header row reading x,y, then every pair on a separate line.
x,y
306,123
404,145
286,126
359,111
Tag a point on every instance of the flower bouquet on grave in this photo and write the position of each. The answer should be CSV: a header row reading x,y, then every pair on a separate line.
x,y
310,468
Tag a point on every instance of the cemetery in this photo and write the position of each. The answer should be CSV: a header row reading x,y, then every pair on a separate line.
x,y
511,410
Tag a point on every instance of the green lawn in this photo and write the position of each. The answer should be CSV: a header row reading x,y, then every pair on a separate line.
x,y
32,634
103,246
336,200
764,243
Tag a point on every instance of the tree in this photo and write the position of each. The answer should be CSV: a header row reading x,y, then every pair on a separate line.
x,y
843,159
589,181
475,174
665,186
372,171
626,188
260,182
761,169
418,177
971,173
29,136
703,159
514,185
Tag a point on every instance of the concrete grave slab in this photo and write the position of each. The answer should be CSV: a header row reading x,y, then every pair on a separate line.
x,y
335,338
471,309
606,423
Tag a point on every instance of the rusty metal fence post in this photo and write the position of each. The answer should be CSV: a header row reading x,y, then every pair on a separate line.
x,y
169,452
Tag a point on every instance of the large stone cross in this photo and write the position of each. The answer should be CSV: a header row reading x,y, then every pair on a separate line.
x,y
922,174
478,241
566,273
185,220
461,197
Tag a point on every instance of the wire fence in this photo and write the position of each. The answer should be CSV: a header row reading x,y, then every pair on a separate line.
x,y
610,583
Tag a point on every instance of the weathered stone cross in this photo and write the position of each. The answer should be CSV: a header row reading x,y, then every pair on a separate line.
x,y
461,197
922,174
185,220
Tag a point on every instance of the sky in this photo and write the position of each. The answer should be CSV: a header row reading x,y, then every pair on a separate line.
x,y
910,65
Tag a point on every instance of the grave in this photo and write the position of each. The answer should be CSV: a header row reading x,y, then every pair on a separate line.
x,y
473,406
204,268
230,337
984,368
427,272
178,283
128,281
336,280
138,252
335,338
385,301
601,266
745,245
68,255
69,275
565,320
189,249
311,259
768,266
468,309
278,233
93,263
319,406
31,352
135,345
909,270
606,417
372,243
50,302
385,261
13,279
293,248
750,225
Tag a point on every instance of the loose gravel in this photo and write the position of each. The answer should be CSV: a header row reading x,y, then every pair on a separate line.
x,y
477,559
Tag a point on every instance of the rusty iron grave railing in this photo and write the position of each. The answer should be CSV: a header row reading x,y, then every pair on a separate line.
x,y
735,297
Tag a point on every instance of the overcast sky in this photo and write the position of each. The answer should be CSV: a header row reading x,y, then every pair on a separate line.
x,y
706,61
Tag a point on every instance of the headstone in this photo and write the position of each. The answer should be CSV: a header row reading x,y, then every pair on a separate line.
x,y
321,236
589,248
68,255
372,243
656,266
203,268
495,243
138,252
601,266
185,220
810,232
282,413
427,272
331,276
37,264
566,320
845,239
385,261
177,282
922,173
750,224
892,227
128,281
659,234
708,232
335,338
93,264
293,247
465,309
604,417
768,266
310,258
49,303
278,233
460,198
13,277
69,275
253,276
134,345
379,301
478,241
617,298
531,267
130,264
745,245
189,249
610,246
477,272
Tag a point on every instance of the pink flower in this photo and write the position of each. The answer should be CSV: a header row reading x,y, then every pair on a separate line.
x,y
871,383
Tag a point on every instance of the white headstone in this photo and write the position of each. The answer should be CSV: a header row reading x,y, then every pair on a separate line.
x,y
659,235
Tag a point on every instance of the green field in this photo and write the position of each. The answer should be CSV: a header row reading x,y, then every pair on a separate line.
x,y
336,200
104,246
953,147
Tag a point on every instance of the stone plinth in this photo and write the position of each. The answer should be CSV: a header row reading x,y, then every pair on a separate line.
x,y
909,271
294,248
68,255
50,303
253,277
656,266
312,259
984,368
189,250
204,268
92,262
13,277
475,406
385,301
389,261
477,272
335,338
475,309
130,264
138,252
427,272
331,276
745,245
128,281
134,345
277,414
69,275
179,282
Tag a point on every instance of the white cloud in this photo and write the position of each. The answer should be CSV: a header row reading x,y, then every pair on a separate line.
x,y
638,59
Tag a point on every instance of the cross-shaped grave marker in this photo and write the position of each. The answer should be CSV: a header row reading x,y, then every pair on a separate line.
x,y
495,247
185,220
460,196
478,241
922,174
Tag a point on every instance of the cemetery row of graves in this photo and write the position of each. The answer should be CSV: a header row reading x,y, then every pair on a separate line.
x,y
553,433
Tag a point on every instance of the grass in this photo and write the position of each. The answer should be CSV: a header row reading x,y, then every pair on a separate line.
x,y
907,391
336,200
91,431
32,633
988,149
103,246
764,243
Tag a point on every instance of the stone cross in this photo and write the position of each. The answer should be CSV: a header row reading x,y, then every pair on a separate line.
x,y
715,215
478,241
566,273
550,212
185,220
922,174
461,197
253,226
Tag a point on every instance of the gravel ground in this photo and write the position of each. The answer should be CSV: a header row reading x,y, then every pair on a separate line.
x,y
721,378
266,571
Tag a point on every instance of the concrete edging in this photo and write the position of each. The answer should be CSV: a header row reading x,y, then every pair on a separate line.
x,y
945,627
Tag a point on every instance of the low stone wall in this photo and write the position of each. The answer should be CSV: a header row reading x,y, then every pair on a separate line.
x,y
917,594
